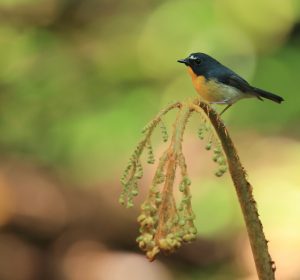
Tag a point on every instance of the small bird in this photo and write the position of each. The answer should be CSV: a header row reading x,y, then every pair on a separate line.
x,y
217,84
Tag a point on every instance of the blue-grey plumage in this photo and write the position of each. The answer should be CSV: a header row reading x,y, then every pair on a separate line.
x,y
218,84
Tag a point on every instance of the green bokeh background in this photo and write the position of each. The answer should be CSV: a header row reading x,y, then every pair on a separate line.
x,y
79,79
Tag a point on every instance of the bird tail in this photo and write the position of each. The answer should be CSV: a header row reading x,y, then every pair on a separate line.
x,y
268,95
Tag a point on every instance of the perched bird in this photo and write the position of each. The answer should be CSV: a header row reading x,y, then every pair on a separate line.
x,y
217,84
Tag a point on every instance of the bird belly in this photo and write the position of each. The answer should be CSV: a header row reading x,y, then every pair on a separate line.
x,y
215,92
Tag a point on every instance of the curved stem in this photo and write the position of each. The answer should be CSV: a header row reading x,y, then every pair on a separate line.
x,y
174,151
264,265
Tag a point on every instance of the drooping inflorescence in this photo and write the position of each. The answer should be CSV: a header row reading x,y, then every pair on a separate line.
x,y
164,222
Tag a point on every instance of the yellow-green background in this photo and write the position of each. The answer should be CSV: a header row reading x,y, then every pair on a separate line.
x,y
78,81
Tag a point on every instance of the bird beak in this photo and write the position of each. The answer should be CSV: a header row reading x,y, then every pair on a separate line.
x,y
185,61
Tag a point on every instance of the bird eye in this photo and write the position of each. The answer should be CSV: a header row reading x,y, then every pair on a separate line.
x,y
198,61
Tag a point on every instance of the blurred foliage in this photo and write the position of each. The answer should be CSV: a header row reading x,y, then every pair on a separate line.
x,y
68,87
80,78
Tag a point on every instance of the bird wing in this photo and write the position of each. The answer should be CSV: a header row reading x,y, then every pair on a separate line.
x,y
228,77
239,83
236,81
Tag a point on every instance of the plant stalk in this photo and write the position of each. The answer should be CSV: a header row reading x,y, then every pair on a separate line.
x,y
264,265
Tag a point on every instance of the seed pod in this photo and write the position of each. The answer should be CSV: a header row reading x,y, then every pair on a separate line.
x,y
151,159
164,131
208,145
201,133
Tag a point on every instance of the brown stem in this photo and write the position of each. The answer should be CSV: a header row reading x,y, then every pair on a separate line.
x,y
264,265
174,151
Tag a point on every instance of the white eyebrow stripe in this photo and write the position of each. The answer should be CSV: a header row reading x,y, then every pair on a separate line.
x,y
193,57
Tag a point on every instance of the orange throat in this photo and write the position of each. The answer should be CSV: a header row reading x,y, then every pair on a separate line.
x,y
199,83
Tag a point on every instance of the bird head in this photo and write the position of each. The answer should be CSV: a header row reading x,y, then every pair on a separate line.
x,y
200,63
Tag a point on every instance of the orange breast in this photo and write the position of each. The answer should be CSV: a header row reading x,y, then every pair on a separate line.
x,y
209,91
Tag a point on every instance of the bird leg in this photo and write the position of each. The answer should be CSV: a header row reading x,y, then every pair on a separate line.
x,y
227,107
